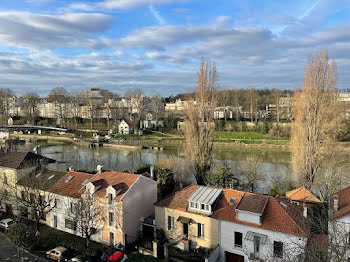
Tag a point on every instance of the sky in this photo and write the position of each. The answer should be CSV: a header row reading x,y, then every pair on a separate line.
x,y
156,45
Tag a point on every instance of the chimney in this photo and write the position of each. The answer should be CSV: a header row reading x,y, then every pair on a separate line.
x,y
71,168
151,169
99,169
336,202
305,210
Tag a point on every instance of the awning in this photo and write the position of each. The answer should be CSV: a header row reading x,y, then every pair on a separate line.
x,y
251,235
185,220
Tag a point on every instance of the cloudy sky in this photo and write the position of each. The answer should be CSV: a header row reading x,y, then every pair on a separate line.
x,y
156,45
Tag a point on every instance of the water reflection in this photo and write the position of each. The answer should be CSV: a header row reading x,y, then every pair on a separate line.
x,y
274,163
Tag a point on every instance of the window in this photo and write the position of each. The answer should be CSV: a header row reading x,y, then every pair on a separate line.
x,y
196,205
56,202
41,200
5,179
200,230
110,199
111,218
192,204
238,239
170,223
70,224
202,206
278,249
71,207
207,207
256,244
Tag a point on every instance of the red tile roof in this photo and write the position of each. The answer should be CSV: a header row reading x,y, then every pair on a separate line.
x,y
254,203
303,195
343,203
118,180
278,215
73,187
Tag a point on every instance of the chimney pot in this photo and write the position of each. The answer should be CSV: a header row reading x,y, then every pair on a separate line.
x,y
71,168
305,210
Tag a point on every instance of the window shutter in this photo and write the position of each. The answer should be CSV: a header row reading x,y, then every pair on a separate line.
x,y
169,222
198,229
202,230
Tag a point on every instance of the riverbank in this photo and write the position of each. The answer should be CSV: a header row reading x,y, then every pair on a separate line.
x,y
137,142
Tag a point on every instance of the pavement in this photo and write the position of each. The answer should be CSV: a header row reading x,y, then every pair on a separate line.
x,y
9,253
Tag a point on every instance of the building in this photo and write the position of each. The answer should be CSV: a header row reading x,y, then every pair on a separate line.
x,y
124,198
245,226
301,195
227,112
185,223
282,110
339,224
255,227
125,127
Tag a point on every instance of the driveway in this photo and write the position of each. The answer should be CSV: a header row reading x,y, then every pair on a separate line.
x,y
8,253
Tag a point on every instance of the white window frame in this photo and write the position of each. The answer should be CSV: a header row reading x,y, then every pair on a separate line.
x,y
172,223
200,230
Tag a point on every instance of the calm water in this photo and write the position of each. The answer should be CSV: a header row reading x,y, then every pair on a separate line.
x,y
274,164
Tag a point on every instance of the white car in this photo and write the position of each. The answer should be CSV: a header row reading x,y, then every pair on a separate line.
x,y
6,223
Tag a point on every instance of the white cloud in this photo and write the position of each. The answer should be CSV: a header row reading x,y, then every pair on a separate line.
x,y
37,31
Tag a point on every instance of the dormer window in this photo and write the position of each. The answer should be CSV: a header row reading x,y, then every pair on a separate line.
x,y
203,199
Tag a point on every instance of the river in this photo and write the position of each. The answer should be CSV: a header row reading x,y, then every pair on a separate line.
x,y
274,163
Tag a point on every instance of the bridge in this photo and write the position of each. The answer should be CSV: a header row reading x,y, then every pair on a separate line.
x,y
31,128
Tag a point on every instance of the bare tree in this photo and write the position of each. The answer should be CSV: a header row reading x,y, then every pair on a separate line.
x,y
59,96
34,195
315,118
29,103
74,106
251,174
199,123
89,216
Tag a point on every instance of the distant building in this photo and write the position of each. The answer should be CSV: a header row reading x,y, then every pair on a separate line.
x,y
125,127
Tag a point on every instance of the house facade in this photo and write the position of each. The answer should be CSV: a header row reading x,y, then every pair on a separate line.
x,y
254,227
244,226
125,127
123,198
339,225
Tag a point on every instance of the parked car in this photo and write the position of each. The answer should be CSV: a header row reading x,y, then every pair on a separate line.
x,y
118,257
6,223
80,258
58,253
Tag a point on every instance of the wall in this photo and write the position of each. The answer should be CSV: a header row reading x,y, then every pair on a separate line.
x,y
211,237
248,217
291,243
138,202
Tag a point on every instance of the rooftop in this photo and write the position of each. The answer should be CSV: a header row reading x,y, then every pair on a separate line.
x,y
18,159
343,203
303,195
279,215
205,195
71,184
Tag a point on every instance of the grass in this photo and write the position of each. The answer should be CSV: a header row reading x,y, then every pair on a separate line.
x,y
244,136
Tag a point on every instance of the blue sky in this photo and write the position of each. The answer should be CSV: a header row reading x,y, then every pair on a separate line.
x,y
156,45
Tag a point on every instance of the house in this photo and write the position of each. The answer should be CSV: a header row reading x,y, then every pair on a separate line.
x,y
186,217
302,196
339,224
125,127
259,227
245,226
125,198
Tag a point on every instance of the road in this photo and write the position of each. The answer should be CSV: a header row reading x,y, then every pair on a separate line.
x,y
9,253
